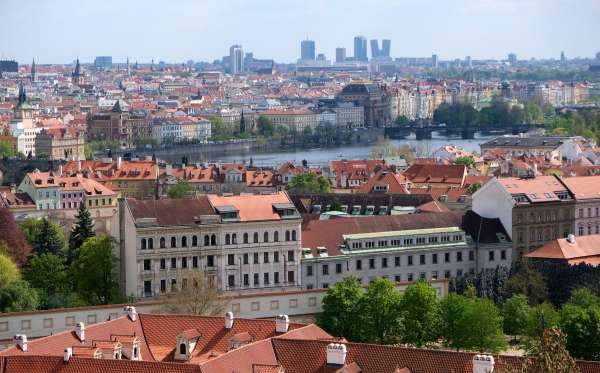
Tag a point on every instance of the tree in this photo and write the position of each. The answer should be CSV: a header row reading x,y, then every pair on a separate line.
x,y
6,149
542,313
218,130
83,229
88,151
550,355
383,148
474,187
17,246
482,326
201,297
420,314
526,280
49,239
580,320
94,270
401,120
378,310
468,162
9,271
308,182
452,310
18,296
180,190
340,309
516,311
264,126
47,272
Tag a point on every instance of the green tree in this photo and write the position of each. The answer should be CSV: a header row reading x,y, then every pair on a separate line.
x,y
49,239
452,310
88,151
469,162
580,320
420,314
516,311
482,326
18,296
340,311
264,125
474,187
6,149
542,313
308,182
180,190
526,280
82,230
94,271
550,355
9,271
218,130
47,272
379,312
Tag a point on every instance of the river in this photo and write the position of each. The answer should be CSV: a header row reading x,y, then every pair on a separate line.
x,y
321,156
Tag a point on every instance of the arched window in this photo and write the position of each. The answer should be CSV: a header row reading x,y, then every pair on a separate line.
x,y
206,240
143,244
255,237
150,243
227,239
276,236
182,349
234,239
194,241
213,239
184,241
266,237
245,237
293,235
163,244
287,235
173,242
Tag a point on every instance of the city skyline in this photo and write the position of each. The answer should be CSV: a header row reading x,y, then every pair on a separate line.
x,y
142,32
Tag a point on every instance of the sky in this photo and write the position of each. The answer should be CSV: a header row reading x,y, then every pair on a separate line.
x,y
58,31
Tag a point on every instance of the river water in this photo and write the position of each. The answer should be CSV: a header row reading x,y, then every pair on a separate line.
x,y
321,156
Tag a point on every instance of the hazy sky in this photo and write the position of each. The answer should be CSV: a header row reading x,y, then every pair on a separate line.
x,y
56,31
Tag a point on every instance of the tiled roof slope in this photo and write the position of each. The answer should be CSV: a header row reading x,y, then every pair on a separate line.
x,y
170,212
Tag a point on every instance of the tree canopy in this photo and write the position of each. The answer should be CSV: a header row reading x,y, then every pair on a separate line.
x,y
421,315
308,182
17,246
82,230
180,190
94,271
339,308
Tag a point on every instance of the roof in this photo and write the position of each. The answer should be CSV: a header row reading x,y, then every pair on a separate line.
x,y
78,182
170,212
483,230
436,173
524,142
583,187
585,249
252,207
305,202
537,189
395,183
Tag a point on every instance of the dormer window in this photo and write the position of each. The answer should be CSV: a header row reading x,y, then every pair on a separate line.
x,y
186,343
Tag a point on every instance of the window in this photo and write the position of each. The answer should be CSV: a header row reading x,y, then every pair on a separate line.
x,y
162,243
266,278
213,240
184,284
234,239
459,256
384,262
291,276
246,280
182,349
491,255
256,283
147,264
276,257
359,265
276,236
173,242
143,244
245,237
471,255
446,274
231,280
276,277
287,235
581,213
227,239
338,267
206,240
293,235
147,288
195,262
230,259
410,260
210,261
309,271
371,263
266,257
580,231
397,278
409,277
325,269
184,241
163,286
255,237
266,237
434,275
434,258
422,259
150,243
459,272
163,264
194,241
447,257
503,255
397,261
245,258
290,256
173,262
255,257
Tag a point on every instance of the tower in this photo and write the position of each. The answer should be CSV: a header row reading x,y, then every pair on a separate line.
x,y
33,70
307,49
77,77
242,123
386,48
128,68
236,59
360,48
375,48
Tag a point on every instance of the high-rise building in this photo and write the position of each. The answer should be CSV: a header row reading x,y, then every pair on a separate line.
x,y
307,49
563,58
386,48
434,61
360,48
236,59
103,62
512,58
375,53
468,62
340,54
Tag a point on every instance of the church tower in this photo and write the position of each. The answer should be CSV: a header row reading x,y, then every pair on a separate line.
x,y
77,77
33,70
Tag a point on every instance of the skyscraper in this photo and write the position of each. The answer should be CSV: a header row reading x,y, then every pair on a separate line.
x,y
434,61
468,62
103,62
340,54
512,58
360,48
386,47
375,53
307,49
236,59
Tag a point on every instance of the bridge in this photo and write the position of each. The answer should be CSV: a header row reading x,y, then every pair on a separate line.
x,y
424,131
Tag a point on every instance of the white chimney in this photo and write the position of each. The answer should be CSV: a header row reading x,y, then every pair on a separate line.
x,y
80,331
571,239
282,323
131,312
169,170
535,169
119,160
78,166
483,364
68,354
336,354
229,320
60,169
21,341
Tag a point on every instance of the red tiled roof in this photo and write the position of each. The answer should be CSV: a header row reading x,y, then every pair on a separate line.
x,y
396,183
583,187
171,211
537,189
585,249
436,173
252,207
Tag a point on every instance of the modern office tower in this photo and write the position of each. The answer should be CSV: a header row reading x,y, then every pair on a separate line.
x,y
468,62
512,58
360,48
340,54
375,53
307,49
386,48
236,59
103,62
434,61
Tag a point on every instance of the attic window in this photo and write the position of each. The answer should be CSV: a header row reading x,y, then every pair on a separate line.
x,y
549,194
534,196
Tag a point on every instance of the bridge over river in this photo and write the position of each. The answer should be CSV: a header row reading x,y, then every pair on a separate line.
x,y
424,131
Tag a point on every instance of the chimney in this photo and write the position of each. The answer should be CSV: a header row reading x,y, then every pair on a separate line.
x,y
571,239
282,323
80,331
78,166
131,312
68,354
169,170
229,320
118,163
336,354
535,169
21,341
60,169
483,364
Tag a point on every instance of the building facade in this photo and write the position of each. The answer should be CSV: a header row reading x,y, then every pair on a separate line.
x,y
61,144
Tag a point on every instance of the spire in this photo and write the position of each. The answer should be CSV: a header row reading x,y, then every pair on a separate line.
x,y
242,123
128,68
22,96
33,70
117,107
77,71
